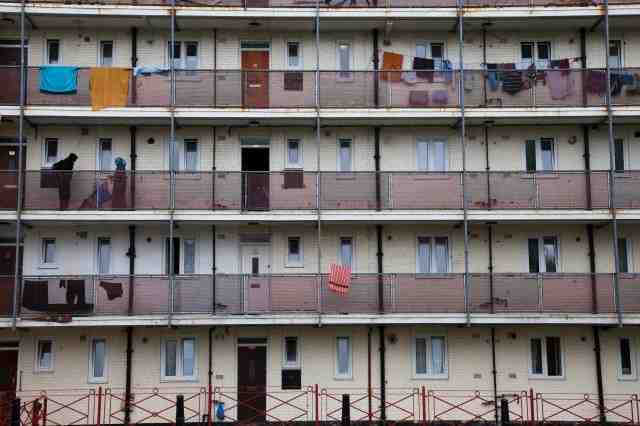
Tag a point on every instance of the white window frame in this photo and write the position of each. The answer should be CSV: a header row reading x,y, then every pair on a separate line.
x,y
621,47
300,163
292,264
545,365
414,365
104,237
47,48
45,143
344,75
633,347
430,141
337,374
351,157
288,365
300,65
36,364
541,263
180,147
182,239
98,155
101,55
626,152
43,263
538,142
183,54
179,377
535,58
432,238
103,378
353,250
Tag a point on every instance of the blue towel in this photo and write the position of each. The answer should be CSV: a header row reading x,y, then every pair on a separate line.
x,y
55,79
150,69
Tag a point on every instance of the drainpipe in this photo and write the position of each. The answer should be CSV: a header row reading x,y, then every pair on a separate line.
x,y
210,372
214,269
484,59
133,155
134,63
494,369
376,67
127,385
383,384
369,373
583,63
131,254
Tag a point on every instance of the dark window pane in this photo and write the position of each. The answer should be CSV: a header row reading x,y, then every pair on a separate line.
x,y
625,357
554,357
534,256
623,259
619,155
530,154
536,356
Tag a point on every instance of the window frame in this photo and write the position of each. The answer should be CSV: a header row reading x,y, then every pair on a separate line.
x,y
428,47
90,376
432,239
98,239
538,156
535,50
101,43
37,366
542,267
620,52
182,238
629,248
182,59
633,357
625,153
353,250
47,58
43,263
429,358
45,149
545,363
287,365
111,165
348,375
300,65
179,377
339,141
299,263
431,141
348,74
300,163
181,150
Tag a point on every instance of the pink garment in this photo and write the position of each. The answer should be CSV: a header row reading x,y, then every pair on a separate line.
x,y
559,84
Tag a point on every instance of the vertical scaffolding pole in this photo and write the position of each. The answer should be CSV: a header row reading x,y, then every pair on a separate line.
x,y
612,170
172,166
318,177
464,157
18,263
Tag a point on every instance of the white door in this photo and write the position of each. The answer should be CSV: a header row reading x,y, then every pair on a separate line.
x,y
256,267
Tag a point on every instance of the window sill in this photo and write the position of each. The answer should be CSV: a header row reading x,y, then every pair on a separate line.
x,y
48,266
430,377
179,380
541,377
97,381
627,379
294,265
44,371
343,378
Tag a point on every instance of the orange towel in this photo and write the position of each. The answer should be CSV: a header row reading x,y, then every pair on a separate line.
x,y
109,87
391,61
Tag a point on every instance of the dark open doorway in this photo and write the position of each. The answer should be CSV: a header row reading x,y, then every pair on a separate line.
x,y
252,383
255,178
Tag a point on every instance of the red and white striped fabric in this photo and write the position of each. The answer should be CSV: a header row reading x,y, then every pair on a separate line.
x,y
339,278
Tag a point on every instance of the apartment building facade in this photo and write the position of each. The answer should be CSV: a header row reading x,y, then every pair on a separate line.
x,y
474,164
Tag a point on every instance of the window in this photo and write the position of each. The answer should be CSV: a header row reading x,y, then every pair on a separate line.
x,y
184,55
50,151
184,255
543,254
624,259
615,53
44,355
430,356
105,154
294,55
189,266
183,155
627,369
97,360
433,50
104,255
48,256
346,251
190,154
179,358
344,61
343,357
294,153
536,52
540,155
106,53
433,255
431,155
345,146
291,353
294,252
618,156
53,52
546,357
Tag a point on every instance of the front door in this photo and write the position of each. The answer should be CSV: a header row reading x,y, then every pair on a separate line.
x,y
252,383
7,266
255,266
9,176
255,66
10,71
255,168
8,381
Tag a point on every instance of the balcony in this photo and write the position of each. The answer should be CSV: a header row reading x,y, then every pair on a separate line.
x,y
301,190
517,293
353,89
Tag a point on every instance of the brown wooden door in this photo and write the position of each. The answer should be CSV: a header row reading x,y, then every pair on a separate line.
x,y
252,383
10,71
9,176
8,380
7,266
256,83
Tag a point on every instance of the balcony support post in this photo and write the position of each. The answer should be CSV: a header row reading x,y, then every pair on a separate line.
x,y
134,64
612,170
376,67
214,269
319,290
131,254
17,272
494,370
583,64
133,155
172,167
462,131
487,168
128,375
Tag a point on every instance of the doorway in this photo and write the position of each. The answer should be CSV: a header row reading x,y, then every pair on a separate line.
x,y
10,61
9,177
255,266
255,66
7,268
8,377
252,380
255,177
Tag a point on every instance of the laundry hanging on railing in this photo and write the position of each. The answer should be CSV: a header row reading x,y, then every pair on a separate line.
x,y
150,70
411,68
109,87
515,77
339,278
58,79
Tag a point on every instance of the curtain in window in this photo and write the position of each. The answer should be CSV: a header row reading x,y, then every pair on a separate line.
x,y
345,155
188,357
346,252
550,248
424,255
98,351
190,155
105,158
343,355
189,256
437,355
441,255
104,256
422,153
437,160
293,153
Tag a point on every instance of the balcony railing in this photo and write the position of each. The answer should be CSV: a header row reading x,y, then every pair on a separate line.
x,y
301,190
309,293
348,89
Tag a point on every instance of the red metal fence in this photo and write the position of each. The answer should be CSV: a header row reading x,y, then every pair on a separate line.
x,y
314,404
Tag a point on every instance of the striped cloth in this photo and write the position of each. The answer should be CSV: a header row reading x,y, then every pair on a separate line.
x,y
339,278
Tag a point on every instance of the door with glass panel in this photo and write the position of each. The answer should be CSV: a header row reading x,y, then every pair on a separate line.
x,y
255,270
252,381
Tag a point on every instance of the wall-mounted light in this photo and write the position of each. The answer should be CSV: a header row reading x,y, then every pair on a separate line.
x,y
151,141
